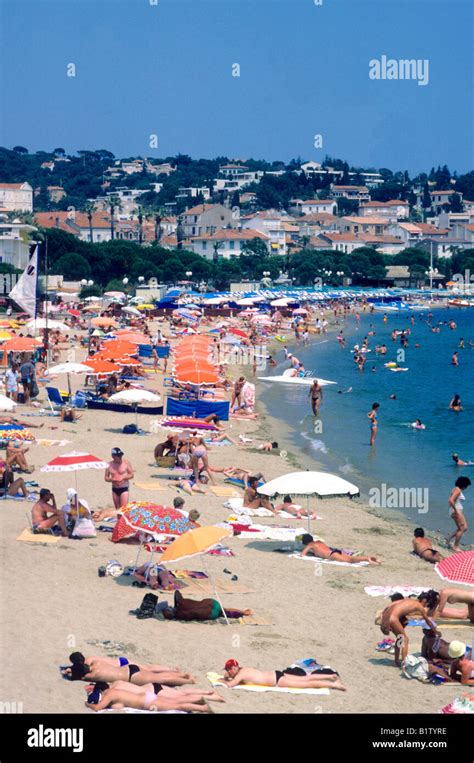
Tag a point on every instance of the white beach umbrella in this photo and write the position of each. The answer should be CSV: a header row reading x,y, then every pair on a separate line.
x,y
68,368
279,303
117,294
131,311
318,484
42,323
6,404
134,397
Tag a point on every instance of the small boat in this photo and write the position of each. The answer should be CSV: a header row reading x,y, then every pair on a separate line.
x,y
302,380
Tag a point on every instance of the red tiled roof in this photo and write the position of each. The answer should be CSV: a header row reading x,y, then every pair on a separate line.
x,y
12,185
227,234
318,201
199,209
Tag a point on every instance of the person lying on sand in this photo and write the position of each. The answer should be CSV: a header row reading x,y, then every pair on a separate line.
x,y
290,678
395,617
99,671
154,575
77,658
152,696
423,547
320,549
12,420
456,596
206,609
294,508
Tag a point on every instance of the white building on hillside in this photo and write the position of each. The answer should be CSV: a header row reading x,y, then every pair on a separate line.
x,y
16,197
225,243
14,245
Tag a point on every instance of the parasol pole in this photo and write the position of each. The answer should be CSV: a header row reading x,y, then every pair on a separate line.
x,y
215,591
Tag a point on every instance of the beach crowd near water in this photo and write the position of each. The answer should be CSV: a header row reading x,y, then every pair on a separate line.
x,y
137,451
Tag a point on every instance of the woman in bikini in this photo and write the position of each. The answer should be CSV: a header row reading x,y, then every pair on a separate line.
x,y
80,670
373,422
320,549
456,511
151,696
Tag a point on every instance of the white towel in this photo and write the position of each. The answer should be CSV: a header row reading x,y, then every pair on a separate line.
x,y
216,680
329,561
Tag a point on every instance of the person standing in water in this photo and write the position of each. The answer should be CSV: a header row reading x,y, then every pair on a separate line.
x,y
372,415
316,395
456,511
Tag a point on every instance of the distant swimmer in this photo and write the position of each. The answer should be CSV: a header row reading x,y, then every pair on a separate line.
x,y
452,325
345,391
418,425
459,461
455,404
461,344
455,359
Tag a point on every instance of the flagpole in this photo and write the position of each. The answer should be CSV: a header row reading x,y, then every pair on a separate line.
x,y
46,331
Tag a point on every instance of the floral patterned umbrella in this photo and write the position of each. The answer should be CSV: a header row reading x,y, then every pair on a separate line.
x,y
151,519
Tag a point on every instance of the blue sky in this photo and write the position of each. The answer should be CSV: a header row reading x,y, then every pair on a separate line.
x,y
166,69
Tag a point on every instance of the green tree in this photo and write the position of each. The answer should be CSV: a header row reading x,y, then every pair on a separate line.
x,y
73,267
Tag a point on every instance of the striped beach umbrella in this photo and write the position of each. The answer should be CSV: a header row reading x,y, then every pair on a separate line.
x,y
457,568
73,462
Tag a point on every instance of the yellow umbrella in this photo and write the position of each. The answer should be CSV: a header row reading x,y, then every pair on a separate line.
x,y
147,306
4,335
196,542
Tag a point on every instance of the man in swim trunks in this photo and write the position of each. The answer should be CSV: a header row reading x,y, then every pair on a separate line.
x,y
395,617
252,499
423,547
320,549
45,514
456,596
119,472
290,678
316,395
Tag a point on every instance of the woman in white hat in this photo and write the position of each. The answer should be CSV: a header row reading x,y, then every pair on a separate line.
x,y
461,664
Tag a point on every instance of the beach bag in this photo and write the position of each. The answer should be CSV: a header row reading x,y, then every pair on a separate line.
x,y
114,568
415,667
84,528
130,429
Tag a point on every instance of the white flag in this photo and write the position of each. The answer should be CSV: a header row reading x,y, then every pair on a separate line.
x,y
24,292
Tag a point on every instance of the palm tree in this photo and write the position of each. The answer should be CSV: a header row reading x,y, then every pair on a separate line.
x,y
89,209
158,218
114,203
139,213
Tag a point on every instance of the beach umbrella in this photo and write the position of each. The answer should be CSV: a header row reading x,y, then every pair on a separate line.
x,y
131,311
280,302
68,368
103,321
316,484
6,404
5,335
197,376
100,367
299,311
74,313
134,337
230,340
115,348
145,306
134,397
155,520
238,332
215,301
74,462
128,362
194,543
457,568
21,344
118,294
42,323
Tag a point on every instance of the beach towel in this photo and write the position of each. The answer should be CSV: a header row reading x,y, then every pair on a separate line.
x,y
149,485
248,396
188,423
236,505
29,537
53,443
239,482
222,491
217,680
220,551
462,704
329,561
285,515
387,590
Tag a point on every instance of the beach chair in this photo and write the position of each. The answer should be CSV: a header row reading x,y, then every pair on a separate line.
x,y
54,398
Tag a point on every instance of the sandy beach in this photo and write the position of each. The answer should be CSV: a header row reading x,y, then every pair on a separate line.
x,y
53,601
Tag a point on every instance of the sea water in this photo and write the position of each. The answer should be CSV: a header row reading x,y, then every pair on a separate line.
x,y
403,457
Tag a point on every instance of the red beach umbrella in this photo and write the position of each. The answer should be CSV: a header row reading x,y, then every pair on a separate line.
x,y
458,568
